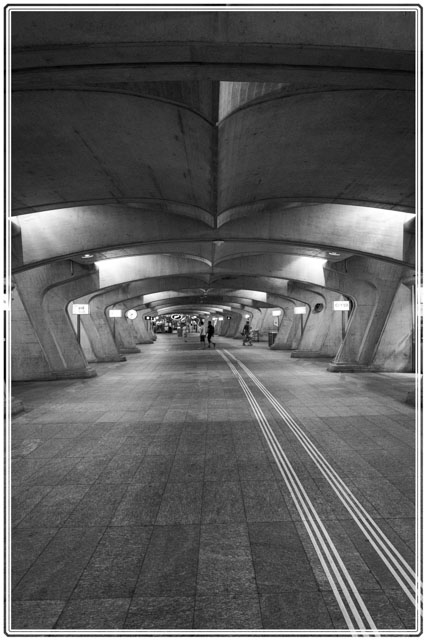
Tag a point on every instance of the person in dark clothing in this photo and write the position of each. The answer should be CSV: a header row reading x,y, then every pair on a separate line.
x,y
247,335
210,332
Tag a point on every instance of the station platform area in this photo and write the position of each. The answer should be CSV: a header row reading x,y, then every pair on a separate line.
x,y
214,489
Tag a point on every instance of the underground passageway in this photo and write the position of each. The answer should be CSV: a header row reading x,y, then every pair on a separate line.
x,y
235,488
240,167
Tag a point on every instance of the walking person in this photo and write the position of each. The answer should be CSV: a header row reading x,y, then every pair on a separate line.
x,y
247,334
202,333
211,331
185,331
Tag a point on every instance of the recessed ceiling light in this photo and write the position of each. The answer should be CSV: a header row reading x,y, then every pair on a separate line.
x,y
333,253
88,255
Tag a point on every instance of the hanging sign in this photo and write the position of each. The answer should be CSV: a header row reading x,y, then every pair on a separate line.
x,y
115,313
299,310
341,305
176,316
131,314
80,309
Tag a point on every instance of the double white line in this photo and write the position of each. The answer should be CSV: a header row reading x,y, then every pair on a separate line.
x,y
353,608
397,565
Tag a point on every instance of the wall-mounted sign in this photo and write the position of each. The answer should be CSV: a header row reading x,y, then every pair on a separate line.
x,y
275,322
80,309
115,313
341,305
220,317
299,310
131,314
276,312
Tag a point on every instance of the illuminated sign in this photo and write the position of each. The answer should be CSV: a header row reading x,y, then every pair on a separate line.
x,y
131,314
299,310
341,305
276,312
115,313
80,309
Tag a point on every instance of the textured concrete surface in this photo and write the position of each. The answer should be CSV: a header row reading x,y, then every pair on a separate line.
x,y
149,497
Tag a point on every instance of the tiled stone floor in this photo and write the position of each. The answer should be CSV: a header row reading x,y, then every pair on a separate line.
x,y
148,498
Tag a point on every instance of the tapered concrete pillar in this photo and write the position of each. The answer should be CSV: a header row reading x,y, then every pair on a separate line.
x,y
98,330
45,292
122,332
100,337
372,285
142,335
323,327
232,325
395,347
287,328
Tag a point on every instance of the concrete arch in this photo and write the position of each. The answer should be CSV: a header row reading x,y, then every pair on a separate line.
x,y
169,159
325,155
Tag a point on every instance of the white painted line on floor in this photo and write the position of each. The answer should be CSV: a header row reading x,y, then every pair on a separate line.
x,y
401,570
332,563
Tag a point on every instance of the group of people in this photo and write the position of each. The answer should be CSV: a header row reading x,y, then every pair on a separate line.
x,y
207,332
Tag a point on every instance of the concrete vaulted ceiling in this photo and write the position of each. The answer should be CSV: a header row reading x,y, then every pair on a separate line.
x,y
240,144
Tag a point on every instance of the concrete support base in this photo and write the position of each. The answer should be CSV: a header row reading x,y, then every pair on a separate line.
x,y
111,359
68,374
129,350
299,353
348,367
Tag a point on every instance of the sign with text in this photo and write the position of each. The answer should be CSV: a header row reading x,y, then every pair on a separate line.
x,y
80,309
131,314
299,310
341,305
115,313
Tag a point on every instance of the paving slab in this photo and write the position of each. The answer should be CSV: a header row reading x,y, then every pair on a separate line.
x,y
146,505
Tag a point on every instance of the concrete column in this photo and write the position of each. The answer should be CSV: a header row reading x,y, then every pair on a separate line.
x,y
122,333
28,359
287,327
45,292
322,333
98,330
372,285
100,337
394,352
139,325
84,340
257,318
232,325
266,324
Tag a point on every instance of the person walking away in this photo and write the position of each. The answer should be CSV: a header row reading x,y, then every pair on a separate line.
x,y
202,333
211,331
185,331
246,333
